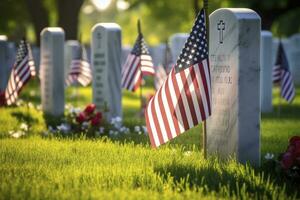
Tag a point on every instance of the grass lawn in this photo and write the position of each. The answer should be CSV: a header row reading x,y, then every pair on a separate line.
x,y
125,167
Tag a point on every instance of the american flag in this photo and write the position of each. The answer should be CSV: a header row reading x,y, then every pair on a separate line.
x,y
184,99
80,70
21,72
283,76
138,63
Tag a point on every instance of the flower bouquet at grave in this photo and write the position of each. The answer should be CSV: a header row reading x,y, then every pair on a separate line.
x,y
290,160
287,166
87,121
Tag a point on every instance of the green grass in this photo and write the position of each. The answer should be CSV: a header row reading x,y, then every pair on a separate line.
x,y
126,167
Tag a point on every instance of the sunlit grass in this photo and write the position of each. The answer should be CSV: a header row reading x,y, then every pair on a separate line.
x,y
126,167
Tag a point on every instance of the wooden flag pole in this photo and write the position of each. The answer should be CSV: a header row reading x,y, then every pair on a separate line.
x,y
141,84
204,137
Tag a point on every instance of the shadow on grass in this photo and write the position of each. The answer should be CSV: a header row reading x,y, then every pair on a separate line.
x,y
24,117
51,120
287,112
221,181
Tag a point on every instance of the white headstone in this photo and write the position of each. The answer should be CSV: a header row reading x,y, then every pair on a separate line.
x,y
177,42
158,54
106,62
233,129
294,61
52,71
36,57
4,68
72,49
266,65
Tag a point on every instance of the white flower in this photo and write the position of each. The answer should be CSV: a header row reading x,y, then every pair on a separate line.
x,y
101,130
269,156
118,119
19,102
68,106
64,128
85,125
39,107
50,128
18,134
137,129
24,127
111,132
32,93
187,153
116,133
145,130
140,132
75,110
30,105
97,133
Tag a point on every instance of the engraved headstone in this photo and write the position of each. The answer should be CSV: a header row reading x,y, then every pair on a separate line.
x,y
72,49
294,46
266,65
52,71
106,62
233,129
4,68
177,42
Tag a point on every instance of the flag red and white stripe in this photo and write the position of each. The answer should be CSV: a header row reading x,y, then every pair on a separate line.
x,y
138,64
184,99
21,72
80,70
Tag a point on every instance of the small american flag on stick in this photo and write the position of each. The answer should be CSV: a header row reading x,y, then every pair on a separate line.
x,y
184,99
138,64
283,76
21,72
80,70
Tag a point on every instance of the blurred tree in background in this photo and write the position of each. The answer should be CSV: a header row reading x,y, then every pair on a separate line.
x,y
160,18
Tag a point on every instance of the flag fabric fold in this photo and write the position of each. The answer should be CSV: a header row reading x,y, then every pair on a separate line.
x,y
22,70
283,76
80,69
184,99
138,64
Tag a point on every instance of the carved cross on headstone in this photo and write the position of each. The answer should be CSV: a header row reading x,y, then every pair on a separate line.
x,y
221,28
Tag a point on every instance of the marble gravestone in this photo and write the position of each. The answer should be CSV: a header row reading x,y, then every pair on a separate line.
x,y
106,63
158,54
52,71
266,65
233,129
4,68
294,55
72,50
36,57
177,42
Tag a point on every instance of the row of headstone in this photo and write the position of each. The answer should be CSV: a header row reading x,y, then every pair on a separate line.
x,y
56,56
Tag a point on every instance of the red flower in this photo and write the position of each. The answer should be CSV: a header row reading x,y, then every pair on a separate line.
x,y
90,108
81,118
294,139
95,121
287,160
98,115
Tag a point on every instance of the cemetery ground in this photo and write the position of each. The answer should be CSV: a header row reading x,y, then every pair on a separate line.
x,y
126,167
